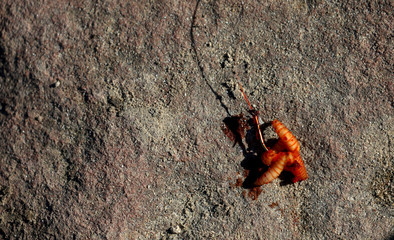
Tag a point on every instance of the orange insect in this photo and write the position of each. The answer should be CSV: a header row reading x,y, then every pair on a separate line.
x,y
284,155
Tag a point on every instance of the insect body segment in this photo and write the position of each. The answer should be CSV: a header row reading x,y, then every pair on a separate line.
x,y
270,155
298,169
286,136
274,170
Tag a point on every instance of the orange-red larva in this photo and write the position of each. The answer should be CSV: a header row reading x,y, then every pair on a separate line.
x,y
274,170
286,136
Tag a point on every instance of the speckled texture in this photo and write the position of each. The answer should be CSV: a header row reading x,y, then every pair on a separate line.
x,y
111,115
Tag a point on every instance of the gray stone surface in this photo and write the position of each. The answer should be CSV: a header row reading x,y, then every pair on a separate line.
x,y
111,115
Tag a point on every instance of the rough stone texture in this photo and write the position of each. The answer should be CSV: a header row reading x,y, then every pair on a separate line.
x,y
111,117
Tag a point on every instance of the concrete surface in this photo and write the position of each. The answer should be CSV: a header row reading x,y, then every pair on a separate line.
x,y
112,111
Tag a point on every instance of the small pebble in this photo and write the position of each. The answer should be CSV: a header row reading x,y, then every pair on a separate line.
x,y
39,118
175,229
